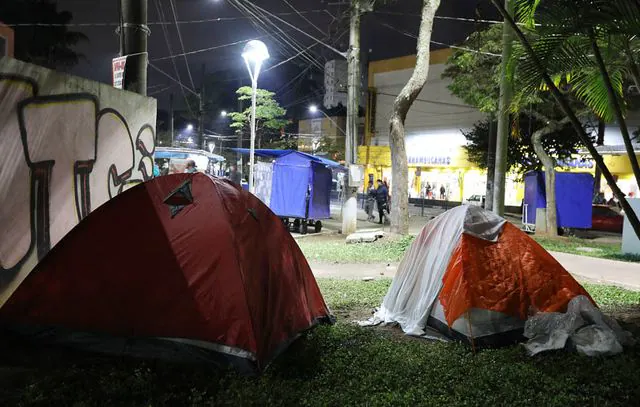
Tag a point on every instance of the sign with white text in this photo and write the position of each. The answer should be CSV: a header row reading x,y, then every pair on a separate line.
x,y
117,67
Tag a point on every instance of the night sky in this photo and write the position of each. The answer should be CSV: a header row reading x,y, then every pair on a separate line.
x,y
378,41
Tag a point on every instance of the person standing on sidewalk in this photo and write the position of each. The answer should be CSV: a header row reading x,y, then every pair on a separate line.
x,y
382,196
370,202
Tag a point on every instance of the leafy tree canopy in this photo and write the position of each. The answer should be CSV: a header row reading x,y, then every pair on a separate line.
x,y
475,78
476,75
270,118
521,156
48,46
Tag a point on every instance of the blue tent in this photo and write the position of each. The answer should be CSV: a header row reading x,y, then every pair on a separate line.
x,y
296,176
574,194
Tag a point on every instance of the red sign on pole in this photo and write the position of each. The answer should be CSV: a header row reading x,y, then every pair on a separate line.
x,y
117,67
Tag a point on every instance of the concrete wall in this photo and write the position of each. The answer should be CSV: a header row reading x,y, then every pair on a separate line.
x,y
68,145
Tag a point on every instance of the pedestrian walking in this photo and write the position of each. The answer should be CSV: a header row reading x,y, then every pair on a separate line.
x,y
234,176
191,167
370,202
382,199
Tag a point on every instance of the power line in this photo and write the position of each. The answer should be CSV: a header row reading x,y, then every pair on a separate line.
x,y
180,22
341,53
304,18
186,61
461,19
173,62
435,102
260,15
410,35
173,79
293,57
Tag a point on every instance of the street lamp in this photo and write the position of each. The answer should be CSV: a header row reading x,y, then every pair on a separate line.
x,y
254,54
189,127
313,109
223,113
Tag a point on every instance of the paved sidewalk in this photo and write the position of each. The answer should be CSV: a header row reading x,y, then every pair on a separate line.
x,y
583,269
602,271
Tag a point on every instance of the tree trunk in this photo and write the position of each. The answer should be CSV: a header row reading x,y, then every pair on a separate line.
x,y
615,103
575,122
550,182
597,183
401,106
491,165
502,141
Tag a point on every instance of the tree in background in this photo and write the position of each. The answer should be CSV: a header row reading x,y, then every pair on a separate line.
x,y
48,46
476,76
401,106
270,119
521,155
568,44
475,79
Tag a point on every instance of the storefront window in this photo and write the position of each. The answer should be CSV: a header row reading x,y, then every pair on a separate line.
x,y
441,184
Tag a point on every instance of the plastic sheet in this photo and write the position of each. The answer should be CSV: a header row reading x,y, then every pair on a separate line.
x,y
582,328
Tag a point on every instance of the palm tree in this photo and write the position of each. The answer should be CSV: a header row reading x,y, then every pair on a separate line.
x,y
560,50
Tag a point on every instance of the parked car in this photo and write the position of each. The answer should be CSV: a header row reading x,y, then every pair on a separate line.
x,y
605,219
476,200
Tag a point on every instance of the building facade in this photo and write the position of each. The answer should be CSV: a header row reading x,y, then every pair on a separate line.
x,y
435,143
317,134
6,41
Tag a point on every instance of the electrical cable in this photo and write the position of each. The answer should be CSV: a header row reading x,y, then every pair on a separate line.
x,y
304,18
173,79
180,22
186,61
261,17
410,35
165,32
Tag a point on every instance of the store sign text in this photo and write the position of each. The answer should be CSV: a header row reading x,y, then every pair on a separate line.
x,y
429,160
576,163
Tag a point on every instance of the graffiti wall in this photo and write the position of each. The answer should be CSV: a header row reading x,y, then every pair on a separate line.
x,y
67,146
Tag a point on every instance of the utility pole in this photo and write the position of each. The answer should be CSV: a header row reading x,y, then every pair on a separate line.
x,y
350,200
171,125
134,32
502,140
239,141
201,111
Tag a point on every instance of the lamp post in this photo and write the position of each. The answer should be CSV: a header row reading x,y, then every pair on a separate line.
x,y
254,54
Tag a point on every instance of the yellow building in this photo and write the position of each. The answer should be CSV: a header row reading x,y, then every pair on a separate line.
x,y
434,139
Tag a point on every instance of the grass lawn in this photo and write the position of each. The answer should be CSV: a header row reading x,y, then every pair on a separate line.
x,y
342,365
333,249
596,249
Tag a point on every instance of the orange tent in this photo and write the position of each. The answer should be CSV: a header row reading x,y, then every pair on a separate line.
x,y
475,277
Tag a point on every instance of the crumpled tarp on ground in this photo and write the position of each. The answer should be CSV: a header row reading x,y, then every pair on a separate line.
x,y
582,328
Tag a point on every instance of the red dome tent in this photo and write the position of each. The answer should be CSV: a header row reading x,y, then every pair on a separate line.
x,y
184,266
